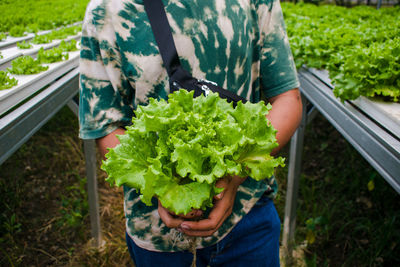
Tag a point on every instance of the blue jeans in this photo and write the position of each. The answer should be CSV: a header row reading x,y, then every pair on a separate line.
x,y
253,242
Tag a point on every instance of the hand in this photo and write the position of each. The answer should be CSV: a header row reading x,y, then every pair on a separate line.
x,y
222,209
173,220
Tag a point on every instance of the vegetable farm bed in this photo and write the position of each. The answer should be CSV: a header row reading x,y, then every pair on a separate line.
x,y
25,107
351,75
12,51
10,42
384,113
30,84
360,47
40,76
376,141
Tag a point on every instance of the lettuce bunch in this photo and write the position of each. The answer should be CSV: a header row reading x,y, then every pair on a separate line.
x,y
177,150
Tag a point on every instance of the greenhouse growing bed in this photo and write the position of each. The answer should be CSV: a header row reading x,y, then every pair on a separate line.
x,y
40,76
364,62
371,124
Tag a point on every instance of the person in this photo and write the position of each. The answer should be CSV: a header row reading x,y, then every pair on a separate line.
x,y
241,45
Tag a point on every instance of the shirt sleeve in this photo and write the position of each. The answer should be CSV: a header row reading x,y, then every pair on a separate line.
x,y
105,97
277,68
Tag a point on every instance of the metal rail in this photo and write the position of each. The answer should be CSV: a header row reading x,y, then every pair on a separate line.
x,y
377,144
19,125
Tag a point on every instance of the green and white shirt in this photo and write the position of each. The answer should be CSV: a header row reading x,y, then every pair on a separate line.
x,y
240,44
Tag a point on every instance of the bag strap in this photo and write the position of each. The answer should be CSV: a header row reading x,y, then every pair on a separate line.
x,y
162,33
163,36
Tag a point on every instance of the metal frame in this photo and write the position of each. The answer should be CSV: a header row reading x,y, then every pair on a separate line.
x,y
29,84
379,146
20,124
25,108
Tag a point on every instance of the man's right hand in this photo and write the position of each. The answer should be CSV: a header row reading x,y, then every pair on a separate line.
x,y
173,220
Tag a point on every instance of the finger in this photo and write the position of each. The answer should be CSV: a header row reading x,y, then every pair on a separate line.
x,y
221,183
197,233
195,213
222,209
238,180
219,213
167,218
201,233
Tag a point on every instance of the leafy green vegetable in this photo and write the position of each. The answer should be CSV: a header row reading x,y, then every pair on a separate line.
x,y
177,150
32,28
51,55
68,46
35,15
65,32
24,45
17,31
6,81
42,39
362,55
2,36
25,65
56,34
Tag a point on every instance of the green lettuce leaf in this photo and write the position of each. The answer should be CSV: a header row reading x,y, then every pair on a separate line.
x,y
177,150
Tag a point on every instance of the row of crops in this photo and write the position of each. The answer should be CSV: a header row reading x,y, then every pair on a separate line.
x,y
47,30
19,17
360,47
26,64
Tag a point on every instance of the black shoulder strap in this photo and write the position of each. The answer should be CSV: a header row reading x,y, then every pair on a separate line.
x,y
162,33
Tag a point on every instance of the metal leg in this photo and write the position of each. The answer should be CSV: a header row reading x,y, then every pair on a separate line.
x,y
296,150
90,157
73,106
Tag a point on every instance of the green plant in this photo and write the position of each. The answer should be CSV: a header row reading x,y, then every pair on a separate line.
x,y
68,46
34,28
2,36
17,31
74,205
51,55
177,150
24,45
11,226
42,15
65,32
41,39
56,34
362,55
25,65
6,81
313,226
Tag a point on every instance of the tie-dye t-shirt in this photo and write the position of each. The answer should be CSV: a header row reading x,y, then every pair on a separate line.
x,y
240,44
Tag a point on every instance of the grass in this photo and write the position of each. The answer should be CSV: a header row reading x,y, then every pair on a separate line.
x,y
44,212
